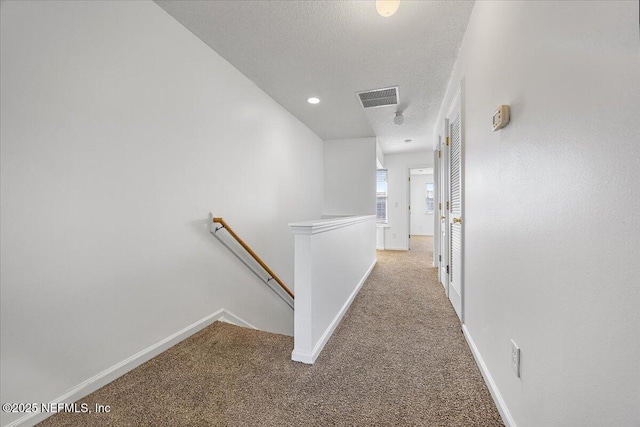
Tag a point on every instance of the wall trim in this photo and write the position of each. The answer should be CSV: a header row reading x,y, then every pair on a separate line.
x,y
302,356
488,379
324,225
229,317
119,369
310,358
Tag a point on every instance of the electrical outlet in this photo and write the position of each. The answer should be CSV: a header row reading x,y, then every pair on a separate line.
x,y
515,358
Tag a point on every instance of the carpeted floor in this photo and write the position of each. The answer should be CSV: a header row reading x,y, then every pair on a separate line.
x,y
398,358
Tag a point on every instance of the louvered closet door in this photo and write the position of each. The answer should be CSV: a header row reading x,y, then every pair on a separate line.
x,y
455,209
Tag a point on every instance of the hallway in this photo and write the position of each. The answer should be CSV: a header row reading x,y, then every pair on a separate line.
x,y
397,358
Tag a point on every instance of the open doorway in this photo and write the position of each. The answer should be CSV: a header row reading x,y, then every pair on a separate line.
x,y
421,209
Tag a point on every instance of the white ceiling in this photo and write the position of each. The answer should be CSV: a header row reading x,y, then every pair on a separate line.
x,y
332,49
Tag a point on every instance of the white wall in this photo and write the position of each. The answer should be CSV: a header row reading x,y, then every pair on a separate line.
x,y
421,221
333,259
120,131
551,202
379,156
350,176
397,234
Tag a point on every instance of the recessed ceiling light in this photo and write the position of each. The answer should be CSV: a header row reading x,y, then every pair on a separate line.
x,y
313,100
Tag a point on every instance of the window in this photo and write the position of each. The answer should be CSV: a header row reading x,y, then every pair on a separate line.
x,y
381,195
431,203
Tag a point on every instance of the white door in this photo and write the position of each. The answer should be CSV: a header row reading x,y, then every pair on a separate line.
x,y
409,212
436,218
455,206
442,216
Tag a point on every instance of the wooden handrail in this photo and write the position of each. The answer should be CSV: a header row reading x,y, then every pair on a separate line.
x,y
255,256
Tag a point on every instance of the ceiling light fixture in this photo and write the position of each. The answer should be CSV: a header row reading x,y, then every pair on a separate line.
x,y
407,141
387,8
398,119
313,100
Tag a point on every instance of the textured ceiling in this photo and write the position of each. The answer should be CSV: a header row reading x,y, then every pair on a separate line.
x,y
332,49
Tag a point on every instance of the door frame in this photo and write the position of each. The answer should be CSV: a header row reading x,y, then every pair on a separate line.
x,y
436,214
442,225
458,98
408,181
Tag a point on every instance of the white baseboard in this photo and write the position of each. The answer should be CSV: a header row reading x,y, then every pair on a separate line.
x,y
488,379
309,358
302,356
110,374
446,288
229,317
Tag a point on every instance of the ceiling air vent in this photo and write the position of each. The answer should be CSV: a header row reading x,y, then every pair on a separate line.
x,y
379,97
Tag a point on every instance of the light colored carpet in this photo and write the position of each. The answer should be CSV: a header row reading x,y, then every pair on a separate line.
x,y
398,358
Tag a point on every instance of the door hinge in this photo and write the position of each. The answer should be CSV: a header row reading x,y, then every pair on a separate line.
x,y
439,153
448,206
439,257
448,141
409,178
439,206
447,269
